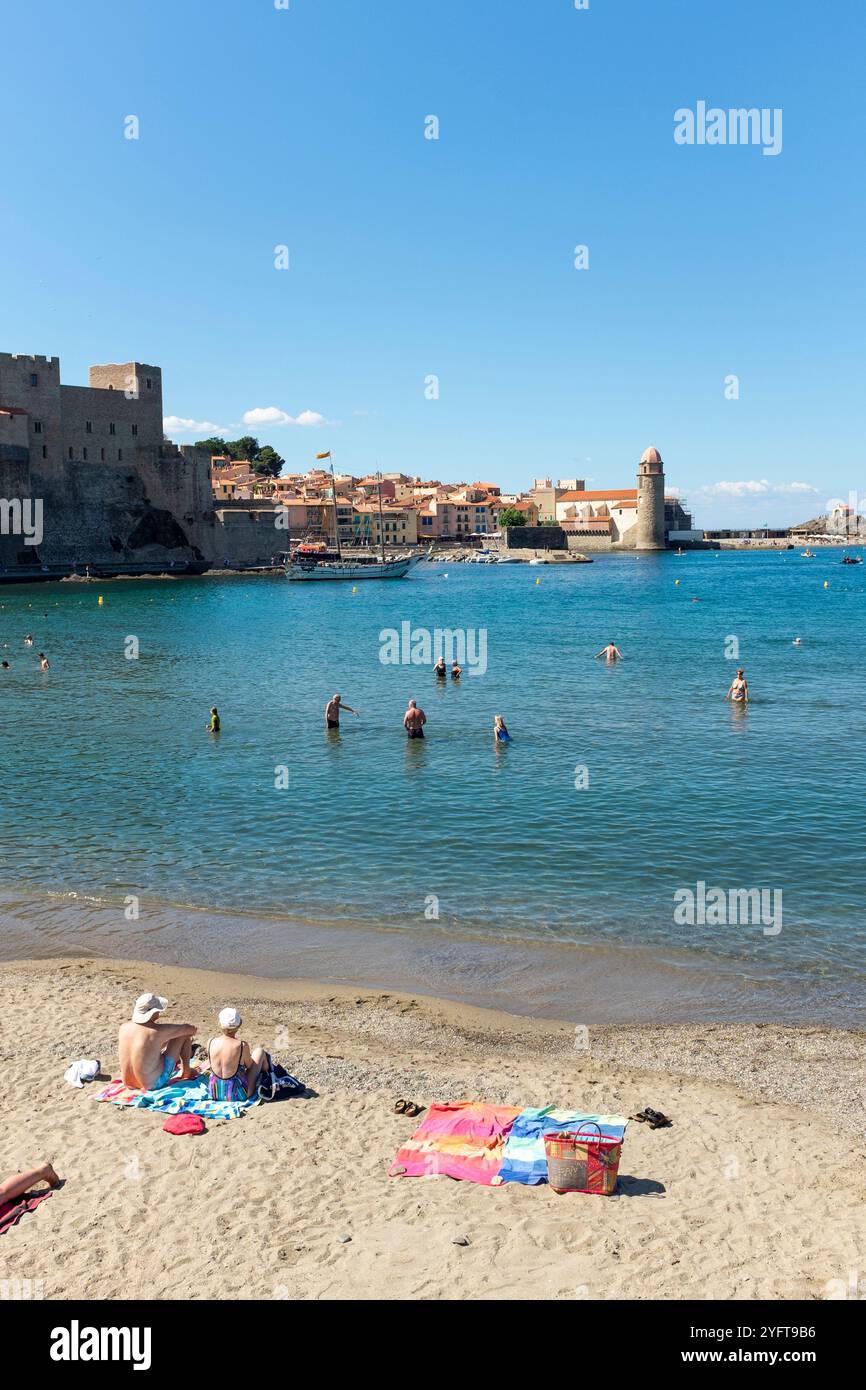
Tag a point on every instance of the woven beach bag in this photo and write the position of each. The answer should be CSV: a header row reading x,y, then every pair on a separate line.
x,y
579,1162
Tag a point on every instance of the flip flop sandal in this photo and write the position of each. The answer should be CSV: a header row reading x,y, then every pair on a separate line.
x,y
412,1109
641,1116
655,1119
400,1107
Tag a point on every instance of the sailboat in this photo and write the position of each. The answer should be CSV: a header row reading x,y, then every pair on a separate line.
x,y
319,561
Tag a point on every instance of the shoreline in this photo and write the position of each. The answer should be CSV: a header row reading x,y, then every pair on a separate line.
x,y
754,1193
601,983
808,1065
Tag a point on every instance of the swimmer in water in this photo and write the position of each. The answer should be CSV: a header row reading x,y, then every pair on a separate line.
x,y
739,691
214,726
796,642
43,662
414,720
456,671
332,711
610,653
440,670
5,666
28,640
500,733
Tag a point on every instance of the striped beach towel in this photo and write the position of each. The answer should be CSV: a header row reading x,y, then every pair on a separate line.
x,y
178,1098
524,1159
463,1140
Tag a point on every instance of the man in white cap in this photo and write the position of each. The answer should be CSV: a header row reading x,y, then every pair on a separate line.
x,y
150,1050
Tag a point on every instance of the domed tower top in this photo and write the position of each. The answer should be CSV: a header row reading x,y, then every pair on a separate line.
x,y
651,461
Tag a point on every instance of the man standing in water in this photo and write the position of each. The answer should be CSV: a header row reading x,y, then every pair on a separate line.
x,y
332,711
611,653
414,720
739,690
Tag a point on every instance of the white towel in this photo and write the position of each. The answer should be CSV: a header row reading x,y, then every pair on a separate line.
x,y
81,1071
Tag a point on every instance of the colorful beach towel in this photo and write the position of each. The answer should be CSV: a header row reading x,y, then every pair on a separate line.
x,y
12,1212
464,1140
177,1098
524,1159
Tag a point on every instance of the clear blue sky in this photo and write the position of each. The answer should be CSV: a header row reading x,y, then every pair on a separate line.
x,y
411,257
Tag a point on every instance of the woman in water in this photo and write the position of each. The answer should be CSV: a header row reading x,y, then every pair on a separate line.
x,y
440,670
739,691
214,726
500,733
43,662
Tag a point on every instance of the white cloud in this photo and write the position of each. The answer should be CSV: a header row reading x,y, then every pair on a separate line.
x,y
270,415
755,487
176,424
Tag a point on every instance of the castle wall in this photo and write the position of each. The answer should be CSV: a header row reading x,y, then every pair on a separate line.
x,y
248,536
113,491
14,484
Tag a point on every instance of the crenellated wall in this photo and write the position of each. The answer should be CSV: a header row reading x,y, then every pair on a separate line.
x,y
113,490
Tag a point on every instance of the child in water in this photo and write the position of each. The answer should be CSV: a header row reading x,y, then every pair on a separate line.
x,y
500,733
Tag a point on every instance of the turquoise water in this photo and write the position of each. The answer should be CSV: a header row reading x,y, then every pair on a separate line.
x,y
549,896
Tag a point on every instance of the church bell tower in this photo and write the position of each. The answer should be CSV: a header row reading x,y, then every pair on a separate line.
x,y
650,525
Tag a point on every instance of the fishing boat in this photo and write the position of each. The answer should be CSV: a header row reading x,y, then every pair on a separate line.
x,y
319,560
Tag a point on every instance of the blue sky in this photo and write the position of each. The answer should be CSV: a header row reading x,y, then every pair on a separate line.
x,y
411,257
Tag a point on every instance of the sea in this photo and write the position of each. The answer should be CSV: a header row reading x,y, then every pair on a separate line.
x,y
641,851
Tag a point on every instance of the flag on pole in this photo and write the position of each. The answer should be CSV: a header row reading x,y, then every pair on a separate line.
x,y
324,456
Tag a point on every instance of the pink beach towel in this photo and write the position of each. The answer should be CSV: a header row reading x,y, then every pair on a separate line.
x,y
464,1140
12,1212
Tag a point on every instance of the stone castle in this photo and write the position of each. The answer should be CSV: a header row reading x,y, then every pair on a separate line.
x,y
114,493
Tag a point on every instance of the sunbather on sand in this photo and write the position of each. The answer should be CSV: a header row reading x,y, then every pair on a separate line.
x,y
235,1068
10,1188
150,1050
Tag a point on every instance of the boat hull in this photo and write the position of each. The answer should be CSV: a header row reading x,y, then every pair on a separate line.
x,y
330,570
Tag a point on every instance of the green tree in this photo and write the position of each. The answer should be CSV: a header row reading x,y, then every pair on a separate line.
x,y
214,446
511,516
244,449
268,462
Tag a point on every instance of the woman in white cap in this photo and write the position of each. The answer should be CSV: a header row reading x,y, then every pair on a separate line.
x,y
235,1068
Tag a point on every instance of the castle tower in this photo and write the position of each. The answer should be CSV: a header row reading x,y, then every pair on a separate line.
x,y
650,525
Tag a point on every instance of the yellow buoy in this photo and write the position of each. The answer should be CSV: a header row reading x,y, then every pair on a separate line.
x,y
354,588
826,583
100,600
538,581
676,581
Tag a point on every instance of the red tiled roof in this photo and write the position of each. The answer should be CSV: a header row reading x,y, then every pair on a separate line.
x,y
612,494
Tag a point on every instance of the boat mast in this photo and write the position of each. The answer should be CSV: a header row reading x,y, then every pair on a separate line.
x,y
336,518
381,522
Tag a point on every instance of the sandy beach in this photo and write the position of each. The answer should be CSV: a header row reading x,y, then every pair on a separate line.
x,y
756,1192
